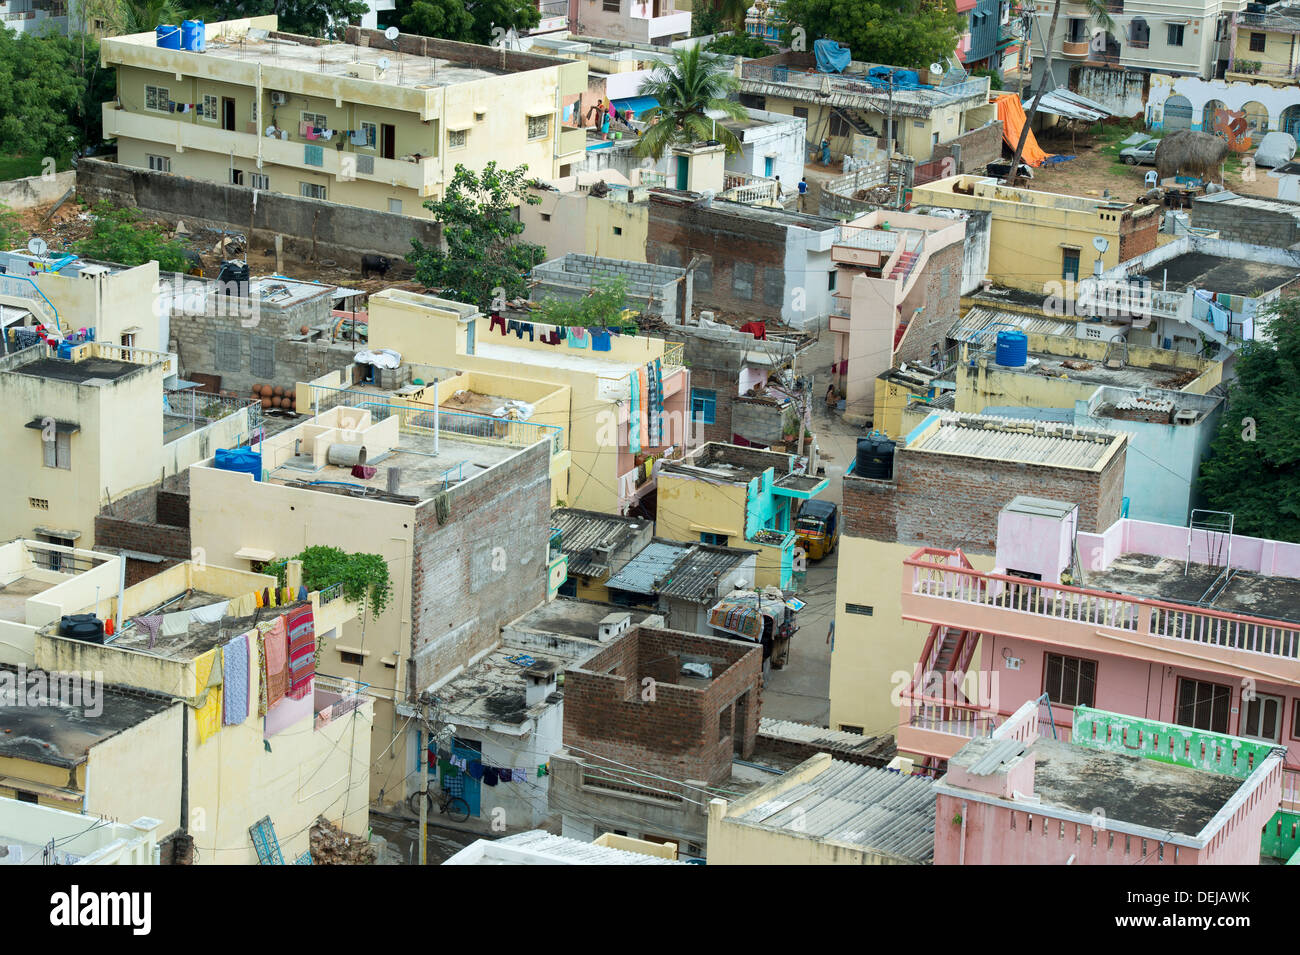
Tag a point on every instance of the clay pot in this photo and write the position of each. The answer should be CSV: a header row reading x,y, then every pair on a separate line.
x,y
278,390
266,402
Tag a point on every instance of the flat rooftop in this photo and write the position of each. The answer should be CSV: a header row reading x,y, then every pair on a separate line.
x,y
1217,273
13,597
423,473
493,690
197,640
1030,442
1162,578
567,617
872,809
78,372
1095,372
58,734
717,461
1143,792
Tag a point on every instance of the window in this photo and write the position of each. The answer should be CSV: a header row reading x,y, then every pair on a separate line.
x,y
704,406
1139,34
158,99
846,728
208,108
1175,37
1257,42
800,111
159,163
310,190
773,287
315,119
395,206
1262,718
22,795
719,540
1070,681
742,280
260,181
1070,264
370,132
1295,720
610,6
58,453
38,503
1077,32
479,117
236,177
861,609
1203,706
546,217
538,127
352,659
618,230
457,138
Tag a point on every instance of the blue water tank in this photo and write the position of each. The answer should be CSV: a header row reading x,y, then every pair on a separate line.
x,y
192,36
168,36
1012,349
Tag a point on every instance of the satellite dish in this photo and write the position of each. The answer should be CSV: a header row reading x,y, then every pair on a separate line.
x,y
38,247
1100,243
392,33
936,68
383,61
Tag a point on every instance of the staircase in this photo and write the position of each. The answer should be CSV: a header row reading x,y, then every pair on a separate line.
x,y
903,266
857,118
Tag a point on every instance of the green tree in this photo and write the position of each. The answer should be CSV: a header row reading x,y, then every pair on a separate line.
x,y
318,18
602,306
1253,469
1098,13
907,33
124,236
469,21
483,258
41,96
12,233
739,44
364,577
689,87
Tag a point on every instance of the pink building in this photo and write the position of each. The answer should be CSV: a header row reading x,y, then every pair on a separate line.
x,y
1123,791
1193,626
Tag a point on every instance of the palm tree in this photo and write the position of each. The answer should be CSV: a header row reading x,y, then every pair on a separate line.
x,y
1098,13
687,90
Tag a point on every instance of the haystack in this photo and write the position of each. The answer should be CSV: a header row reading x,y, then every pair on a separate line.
x,y
1187,152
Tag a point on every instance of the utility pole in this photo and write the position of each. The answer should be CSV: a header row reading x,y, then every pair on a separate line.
x,y
424,793
1026,38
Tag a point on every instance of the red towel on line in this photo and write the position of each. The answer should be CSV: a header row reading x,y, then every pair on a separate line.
x,y
302,652
277,649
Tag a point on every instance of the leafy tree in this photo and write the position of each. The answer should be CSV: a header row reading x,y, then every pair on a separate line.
x,y
12,233
319,18
707,21
687,88
484,257
995,78
126,237
602,306
719,16
469,21
739,44
1254,465
907,33
364,577
41,96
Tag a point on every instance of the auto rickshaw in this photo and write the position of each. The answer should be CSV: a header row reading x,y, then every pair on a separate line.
x,y
818,528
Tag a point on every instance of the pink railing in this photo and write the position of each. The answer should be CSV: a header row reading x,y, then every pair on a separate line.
x,y
934,573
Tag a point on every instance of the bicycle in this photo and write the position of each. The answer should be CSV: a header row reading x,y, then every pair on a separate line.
x,y
453,807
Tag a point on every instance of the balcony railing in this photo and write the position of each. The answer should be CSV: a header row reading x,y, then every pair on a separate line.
x,y
872,92
1141,617
336,697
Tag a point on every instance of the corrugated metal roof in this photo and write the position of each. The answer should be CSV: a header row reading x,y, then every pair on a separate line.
x,y
654,562
697,574
874,809
997,755
981,325
583,533
563,851
1029,442
819,735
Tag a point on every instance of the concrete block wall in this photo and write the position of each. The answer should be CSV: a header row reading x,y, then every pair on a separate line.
x,y
684,732
652,287
310,227
1244,224
761,420
481,569
976,148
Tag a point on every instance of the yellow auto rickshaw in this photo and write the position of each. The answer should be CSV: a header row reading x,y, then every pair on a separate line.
x,y
818,528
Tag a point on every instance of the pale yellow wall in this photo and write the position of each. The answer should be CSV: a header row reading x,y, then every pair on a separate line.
x,y
869,651
891,399
108,303
1280,49
138,772
688,508
606,215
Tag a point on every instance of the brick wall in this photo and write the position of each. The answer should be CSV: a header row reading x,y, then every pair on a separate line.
x,y
942,283
977,148
950,501
481,569
723,385
1137,234
687,730
762,421
1244,224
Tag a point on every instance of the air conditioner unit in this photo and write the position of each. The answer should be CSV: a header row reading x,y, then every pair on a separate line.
x,y
278,98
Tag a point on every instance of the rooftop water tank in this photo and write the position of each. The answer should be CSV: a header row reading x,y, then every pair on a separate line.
x,y
82,626
875,458
1012,349
168,36
193,36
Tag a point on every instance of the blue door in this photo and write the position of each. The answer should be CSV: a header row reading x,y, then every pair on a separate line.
x,y
768,163
682,165
461,785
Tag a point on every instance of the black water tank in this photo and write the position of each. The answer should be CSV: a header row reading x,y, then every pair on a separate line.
x,y
233,272
875,458
82,626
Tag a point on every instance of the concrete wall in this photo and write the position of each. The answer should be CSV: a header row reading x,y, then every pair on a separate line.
x,y
1240,222
21,194
1123,92
973,149
653,288
312,228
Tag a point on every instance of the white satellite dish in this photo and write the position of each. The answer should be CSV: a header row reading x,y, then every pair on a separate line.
x,y
936,68
383,62
38,247
392,33
1100,243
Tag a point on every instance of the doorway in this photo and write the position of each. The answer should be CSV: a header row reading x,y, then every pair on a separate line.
x,y
227,113
388,141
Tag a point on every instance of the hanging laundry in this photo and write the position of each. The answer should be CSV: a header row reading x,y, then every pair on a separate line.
x,y
304,128
261,672
235,682
474,770
276,640
489,776
600,339
175,624
212,613
634,416
150,624
207,707
497,322
302,592
577,338
327,135
544,769
266,597
302,652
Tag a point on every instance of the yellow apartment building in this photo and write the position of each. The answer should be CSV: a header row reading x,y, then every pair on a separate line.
x,y
397,118
612,466
570,219
1037,238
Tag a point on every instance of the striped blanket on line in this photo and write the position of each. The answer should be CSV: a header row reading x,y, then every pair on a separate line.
x,y
302,652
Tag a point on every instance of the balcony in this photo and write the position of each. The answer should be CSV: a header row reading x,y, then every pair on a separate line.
x,y
940,588
336,697
422,176
1075,49
573,139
